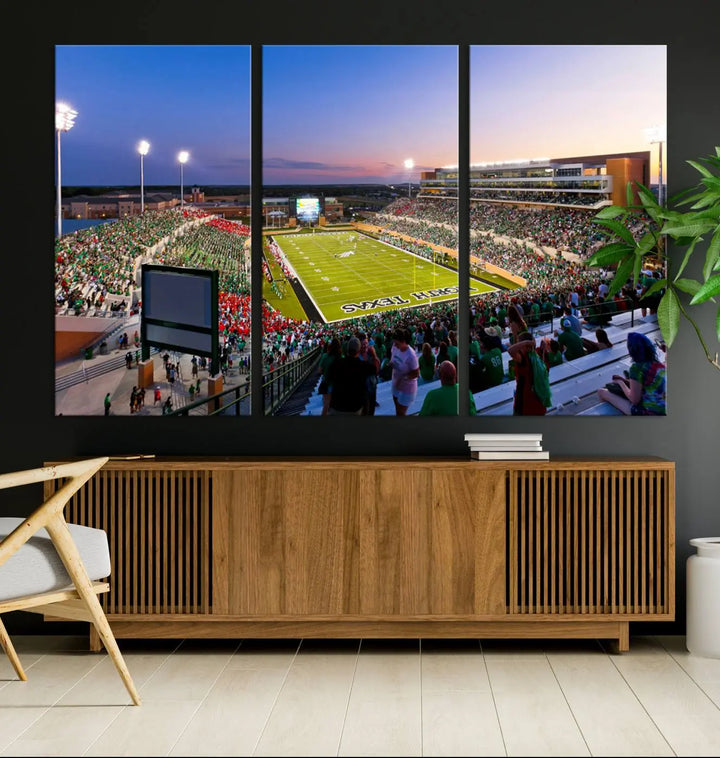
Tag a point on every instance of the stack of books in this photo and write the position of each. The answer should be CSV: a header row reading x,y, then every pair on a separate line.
x,y
506,447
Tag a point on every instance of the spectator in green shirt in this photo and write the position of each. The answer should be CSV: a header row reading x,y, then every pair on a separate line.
x,y
570,344
443,401
491,371
452,349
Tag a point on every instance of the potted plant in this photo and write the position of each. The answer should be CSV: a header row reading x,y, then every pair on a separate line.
x,y
638,232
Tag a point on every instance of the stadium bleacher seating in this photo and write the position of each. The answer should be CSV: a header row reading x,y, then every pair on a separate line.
x,y
573,383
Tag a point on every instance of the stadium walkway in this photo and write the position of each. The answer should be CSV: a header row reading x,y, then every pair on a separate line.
x,y
85,398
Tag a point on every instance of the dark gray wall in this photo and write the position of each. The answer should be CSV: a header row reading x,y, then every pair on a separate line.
x,y
689,435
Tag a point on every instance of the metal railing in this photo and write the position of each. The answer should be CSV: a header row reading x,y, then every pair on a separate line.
x,y
225,402
280,383
600,312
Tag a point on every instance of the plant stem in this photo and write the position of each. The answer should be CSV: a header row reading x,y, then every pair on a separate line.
x,y
714,362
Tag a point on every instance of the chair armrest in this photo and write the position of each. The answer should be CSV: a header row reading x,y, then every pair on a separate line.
x,y
77,472
44,474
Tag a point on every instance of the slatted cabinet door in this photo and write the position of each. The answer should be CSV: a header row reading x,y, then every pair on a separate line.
x,y
586,541
158,523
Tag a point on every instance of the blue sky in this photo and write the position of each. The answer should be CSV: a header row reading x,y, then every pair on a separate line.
x,y
194,98
345,113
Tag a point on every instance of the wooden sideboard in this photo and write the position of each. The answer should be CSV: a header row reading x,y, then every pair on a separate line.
x,y
384,547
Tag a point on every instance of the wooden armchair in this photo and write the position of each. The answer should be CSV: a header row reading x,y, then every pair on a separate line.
x,y
49,566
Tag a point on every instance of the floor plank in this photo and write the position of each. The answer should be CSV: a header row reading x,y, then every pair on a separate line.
x,y
362,698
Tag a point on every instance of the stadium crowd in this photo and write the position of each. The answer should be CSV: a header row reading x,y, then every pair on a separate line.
x,y
103,260
564,229
217,244
525,196
92,263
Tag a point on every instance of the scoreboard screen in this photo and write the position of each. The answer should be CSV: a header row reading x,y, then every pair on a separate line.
x,y
308,208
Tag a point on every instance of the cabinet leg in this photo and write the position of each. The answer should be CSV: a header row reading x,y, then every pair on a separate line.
x,y
622,643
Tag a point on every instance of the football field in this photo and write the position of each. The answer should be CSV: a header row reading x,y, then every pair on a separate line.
x,y
347,274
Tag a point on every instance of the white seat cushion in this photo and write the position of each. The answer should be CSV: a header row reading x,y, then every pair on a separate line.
x,y
36,567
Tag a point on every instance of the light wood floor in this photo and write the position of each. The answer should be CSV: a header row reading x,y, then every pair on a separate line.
x,y
362,698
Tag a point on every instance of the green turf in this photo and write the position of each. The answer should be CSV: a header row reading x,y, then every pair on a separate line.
x,y
375,277
288,304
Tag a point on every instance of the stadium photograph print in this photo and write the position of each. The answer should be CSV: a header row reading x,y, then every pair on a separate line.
x,y
360,270
359,247
534,226
139,184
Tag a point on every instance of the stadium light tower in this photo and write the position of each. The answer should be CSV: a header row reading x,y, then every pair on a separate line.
x,y
656,134
409,165
64,121
183,156
143,148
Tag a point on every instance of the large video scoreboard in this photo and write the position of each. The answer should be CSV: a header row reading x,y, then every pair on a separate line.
x,y
307,209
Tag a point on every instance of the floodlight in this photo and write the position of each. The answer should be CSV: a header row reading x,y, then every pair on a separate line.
x,y
183,156
64,121
143,148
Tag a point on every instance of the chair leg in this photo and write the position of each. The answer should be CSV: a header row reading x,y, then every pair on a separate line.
x,y
70,556
7,646
103,629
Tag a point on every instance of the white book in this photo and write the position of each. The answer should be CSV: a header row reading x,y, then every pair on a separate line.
x,y
502,437
510,455
505,445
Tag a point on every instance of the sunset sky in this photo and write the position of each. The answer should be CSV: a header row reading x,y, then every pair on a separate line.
x,y
561,101
335,114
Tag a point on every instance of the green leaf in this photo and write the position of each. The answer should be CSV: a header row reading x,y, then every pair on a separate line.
x,y
657,286
610,211
619,230
649,202
711,214
679,198
711,288
668,314
706,199
629,198
713,160
712,183
646,195
687,255
637,265
609,254
622,274
672,216
699,167
691,198
691,286
712,257
691,228
647,242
